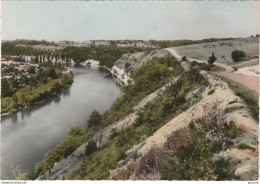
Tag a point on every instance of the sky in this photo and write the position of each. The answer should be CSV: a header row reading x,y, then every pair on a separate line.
x,y
113,20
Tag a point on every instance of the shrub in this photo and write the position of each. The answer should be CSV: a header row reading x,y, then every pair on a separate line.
x,y
238,55
178,139
184,58
232,109
193,162
211,92
95,119
91,147
212,123
212,59
231,130
151,163
244,146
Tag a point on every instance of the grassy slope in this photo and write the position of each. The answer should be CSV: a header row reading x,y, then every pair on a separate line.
x,y
250,97
154,116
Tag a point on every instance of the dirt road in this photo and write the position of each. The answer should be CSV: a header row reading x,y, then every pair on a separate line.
x,y
250,82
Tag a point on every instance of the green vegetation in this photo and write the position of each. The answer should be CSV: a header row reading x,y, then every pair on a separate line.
x,y
147,79
35,42
204,66
232,109
212,59
238,55
91,147
197,100
211,92
193,162
28,91
231,130
175,43
250,97
18,174
98,165
95,119
245,146
155,115
105,55
76,136
11,49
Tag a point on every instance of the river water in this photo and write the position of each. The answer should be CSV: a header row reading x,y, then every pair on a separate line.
x,y
27,135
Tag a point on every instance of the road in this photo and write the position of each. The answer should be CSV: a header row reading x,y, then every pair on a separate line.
x,y
249,82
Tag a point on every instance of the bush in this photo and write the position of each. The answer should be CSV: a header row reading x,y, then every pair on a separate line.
x,y
95,119
212,59
193,162
211,92
238,55
151,163
244,146
231,130
91,147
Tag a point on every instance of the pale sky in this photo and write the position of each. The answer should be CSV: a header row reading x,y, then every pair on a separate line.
x,y
164,20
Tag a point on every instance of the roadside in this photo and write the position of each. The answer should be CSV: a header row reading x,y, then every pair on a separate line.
x,y
248,81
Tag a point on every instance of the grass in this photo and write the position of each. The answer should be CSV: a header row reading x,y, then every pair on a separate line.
x,y
231,130
211,92
98,165
217,68
197,100
245,146
193,161
232,109
154,116
250,97
147,79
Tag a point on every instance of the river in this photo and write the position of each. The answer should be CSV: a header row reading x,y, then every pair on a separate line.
x,y
30,133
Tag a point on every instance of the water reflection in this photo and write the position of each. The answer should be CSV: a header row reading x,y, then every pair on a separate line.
x,y
32,132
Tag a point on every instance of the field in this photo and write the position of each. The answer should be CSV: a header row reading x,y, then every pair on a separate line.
x,y
222,49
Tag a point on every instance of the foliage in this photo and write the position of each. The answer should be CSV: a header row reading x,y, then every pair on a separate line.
x,y
211,92
212,123
232,109
28,91
91,147
250,97
238,55
245,146
204,66
99,164
17,173
35,42
212,59
151,163
184,58
173,100
197,99
231,130
76,136
193,162
175,43
105,55
95,119
154,74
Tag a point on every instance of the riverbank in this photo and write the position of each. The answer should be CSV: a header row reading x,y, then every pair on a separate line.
x,y
30,95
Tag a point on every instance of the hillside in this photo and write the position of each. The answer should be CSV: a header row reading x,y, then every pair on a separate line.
x,y
169,118
222,49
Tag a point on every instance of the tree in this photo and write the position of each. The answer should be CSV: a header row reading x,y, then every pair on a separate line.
x,y
238,55
184,58
95,119
212,59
